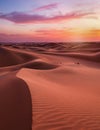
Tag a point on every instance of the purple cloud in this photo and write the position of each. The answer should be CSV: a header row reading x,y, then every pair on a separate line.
x,y
18,17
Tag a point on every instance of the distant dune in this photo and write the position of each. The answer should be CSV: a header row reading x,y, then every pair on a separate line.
x,y
54,86
10,57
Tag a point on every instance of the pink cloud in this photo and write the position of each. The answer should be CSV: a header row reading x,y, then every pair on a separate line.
x,y
52,35
18,38
47,7
18,17
38,36
26,38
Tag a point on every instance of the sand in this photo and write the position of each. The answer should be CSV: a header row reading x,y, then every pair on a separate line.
x,y
15,104
50,87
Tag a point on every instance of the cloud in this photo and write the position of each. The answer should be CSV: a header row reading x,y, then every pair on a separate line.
x,y
93,32
46,35
20,38
25,38
47,7
52,35
19,17
53,32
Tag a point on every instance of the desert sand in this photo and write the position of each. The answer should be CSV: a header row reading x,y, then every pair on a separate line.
x,y
54,86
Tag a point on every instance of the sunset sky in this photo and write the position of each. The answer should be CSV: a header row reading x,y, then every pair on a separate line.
x,y
49,20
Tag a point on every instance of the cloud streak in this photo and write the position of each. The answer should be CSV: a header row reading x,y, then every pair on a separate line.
x,y
47,7
21,18
20,38
49,35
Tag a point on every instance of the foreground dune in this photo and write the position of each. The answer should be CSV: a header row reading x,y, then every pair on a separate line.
x,y
15,104
46,87
64,98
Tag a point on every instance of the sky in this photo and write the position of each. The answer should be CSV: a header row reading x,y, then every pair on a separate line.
x,y
49,20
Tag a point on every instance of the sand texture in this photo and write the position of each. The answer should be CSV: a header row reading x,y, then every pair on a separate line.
x,y
54,86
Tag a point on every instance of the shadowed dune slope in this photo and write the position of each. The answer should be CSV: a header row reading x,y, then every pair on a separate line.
x,y
40,65
15,104
90,57
9,58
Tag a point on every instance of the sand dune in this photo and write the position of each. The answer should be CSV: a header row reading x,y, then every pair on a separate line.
x,y
15,104
90,57
64,98
40,65
50,87
9,57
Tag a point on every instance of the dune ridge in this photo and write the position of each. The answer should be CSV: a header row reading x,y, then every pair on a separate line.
x,y
89,57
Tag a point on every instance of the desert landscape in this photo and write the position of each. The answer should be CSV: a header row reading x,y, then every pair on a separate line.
x,y
50,86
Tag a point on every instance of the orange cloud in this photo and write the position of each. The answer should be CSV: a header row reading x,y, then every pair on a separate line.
x,y
92,35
